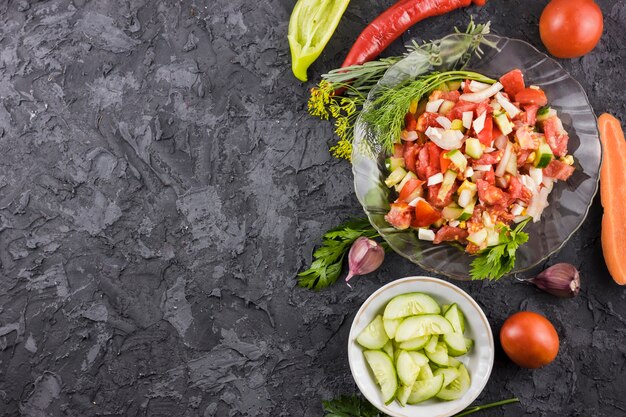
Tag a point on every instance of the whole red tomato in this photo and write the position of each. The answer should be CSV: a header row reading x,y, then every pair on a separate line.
x,y
529,339
570,28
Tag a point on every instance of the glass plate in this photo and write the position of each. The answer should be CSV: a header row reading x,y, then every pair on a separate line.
x,y
569,201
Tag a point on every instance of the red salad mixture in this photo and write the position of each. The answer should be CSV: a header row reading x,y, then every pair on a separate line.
x,y
476,157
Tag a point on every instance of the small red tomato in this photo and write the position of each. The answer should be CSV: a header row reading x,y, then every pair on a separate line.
x,y
425,215
531,96
571,28
529,339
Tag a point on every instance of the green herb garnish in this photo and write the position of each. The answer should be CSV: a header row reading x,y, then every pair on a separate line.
x,y
496,261
328,259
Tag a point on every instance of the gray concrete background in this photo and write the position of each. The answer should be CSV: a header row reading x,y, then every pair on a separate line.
x,y
160,186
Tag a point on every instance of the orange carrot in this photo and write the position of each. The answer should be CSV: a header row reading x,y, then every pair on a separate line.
x,y
612,191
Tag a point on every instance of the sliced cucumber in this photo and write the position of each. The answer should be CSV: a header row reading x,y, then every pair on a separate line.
x,y
411,304
373,336
423,325
409,176
426,389
403,394
468,211
453,362
456,344
432,343
384,372
456,318
449,375
469,343
457,158
395,177
407,368
448,181
440,355
419,358
392,163
457,388
452,212
388,349
425,373
414,344
503,122
391,325
473,148
543,156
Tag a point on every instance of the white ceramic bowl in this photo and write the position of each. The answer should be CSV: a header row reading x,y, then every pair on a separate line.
x,y
479,361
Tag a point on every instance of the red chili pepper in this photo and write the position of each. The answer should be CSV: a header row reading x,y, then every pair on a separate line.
x,y
393,22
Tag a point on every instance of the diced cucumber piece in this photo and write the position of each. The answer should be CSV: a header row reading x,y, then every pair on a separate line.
x,y
469,343
423,325
473,148
391,325
410,304
414,344
448,181
407,368
395,177
454,85
409,176
432,343
440,355
456,344
452,212
511,165
388,349
384,372
469,186
453,362
446,106
478,237
458,159
373,336
424,390
545,113
493,237
403,394
503,122
392,163
468,211
456,318
449,375
457,124
543,156
425,373
457,388
419,358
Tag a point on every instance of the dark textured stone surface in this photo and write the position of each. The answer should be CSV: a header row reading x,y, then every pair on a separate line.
x,y
161,186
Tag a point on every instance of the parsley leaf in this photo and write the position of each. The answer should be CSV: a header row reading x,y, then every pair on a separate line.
x,y
328,258
496,261
350,406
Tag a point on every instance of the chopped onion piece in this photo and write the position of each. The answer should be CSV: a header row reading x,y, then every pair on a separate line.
x,y
433,106
413,203
425,234
507,105
448,139
529,183
537,175
548,182
467,119
454,223
482,95
501,141
465,198
501,168
538,203
479,237
409,136
479,123
535,87
469,171
483,168
516,210
476,86
444,122
520,219
487,221
489,150
435,179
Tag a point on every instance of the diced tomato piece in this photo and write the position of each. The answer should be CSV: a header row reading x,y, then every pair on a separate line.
x,y
427,120
489,158
556,136
517,190
434,152
444,162
412,189
525,138
531,114
484,106
433,195
513,82
472,249
490,176
410,155
461,107
421,166
559,170
491,195
409,122
398,150
531,96
486,135
522,157
451,95
466,88
451,234
425,215
400,215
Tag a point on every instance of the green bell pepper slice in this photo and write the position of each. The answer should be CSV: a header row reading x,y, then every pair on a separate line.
x,y
311,26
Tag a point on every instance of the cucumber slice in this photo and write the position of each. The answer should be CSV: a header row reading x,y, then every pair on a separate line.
x,y
473,148
403,394
456,344
469,343
456,318
543,156
409,176
418,326
414,344
384,372
425,373
452,212
468,211
373,336
419,358
453,362
440,355
411,304
395,177
449,375
448,181
392,163
391,325
457,388
424,390
432,343
388,349
457,158
503,122
407,368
